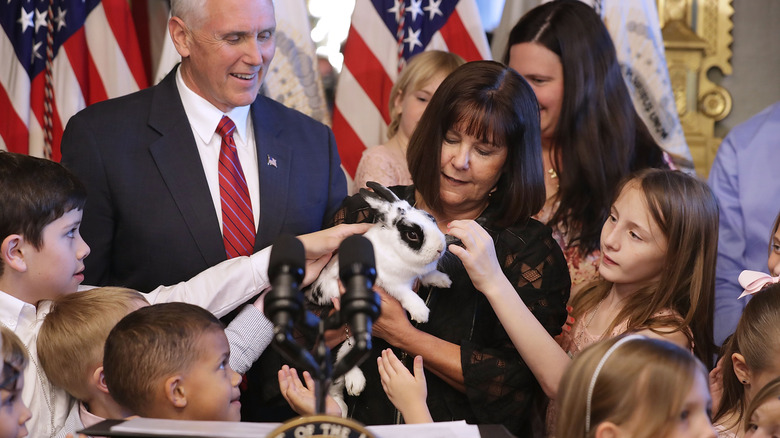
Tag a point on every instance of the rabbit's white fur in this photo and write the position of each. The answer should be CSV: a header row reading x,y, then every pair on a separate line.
x,y
399,263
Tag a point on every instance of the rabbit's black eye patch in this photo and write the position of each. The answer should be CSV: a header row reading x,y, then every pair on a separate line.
x,y
412,234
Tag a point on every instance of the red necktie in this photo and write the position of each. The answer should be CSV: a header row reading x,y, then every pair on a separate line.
x,y
238,225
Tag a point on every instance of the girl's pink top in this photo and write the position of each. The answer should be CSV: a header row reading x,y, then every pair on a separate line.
x,y
580,337
384,165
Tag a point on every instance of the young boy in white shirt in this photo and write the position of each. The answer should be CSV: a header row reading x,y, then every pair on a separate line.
x,y
72,338
172,361
42,257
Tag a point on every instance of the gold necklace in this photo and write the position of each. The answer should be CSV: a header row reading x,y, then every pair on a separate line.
x,y
595,311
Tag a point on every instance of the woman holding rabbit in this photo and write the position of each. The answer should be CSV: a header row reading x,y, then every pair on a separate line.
x,y
476,154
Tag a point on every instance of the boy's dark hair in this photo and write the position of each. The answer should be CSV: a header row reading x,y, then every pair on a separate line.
x,y
150,345
35,192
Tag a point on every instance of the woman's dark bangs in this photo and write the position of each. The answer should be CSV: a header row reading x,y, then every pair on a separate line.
x,y
484,121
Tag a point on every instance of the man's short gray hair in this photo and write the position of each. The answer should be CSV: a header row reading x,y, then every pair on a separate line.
x,y
190,11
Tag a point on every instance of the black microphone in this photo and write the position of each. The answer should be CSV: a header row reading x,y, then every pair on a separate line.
x,y
284,303
359,304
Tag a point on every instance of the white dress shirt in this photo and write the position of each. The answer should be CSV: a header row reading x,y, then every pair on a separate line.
x,y
204,118
249,334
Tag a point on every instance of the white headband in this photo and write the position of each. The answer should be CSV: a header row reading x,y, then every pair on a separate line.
x,y
598,370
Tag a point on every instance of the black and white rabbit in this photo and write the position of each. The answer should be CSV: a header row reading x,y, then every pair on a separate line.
x,y
407,246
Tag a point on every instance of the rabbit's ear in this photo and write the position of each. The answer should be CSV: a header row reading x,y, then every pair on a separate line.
x,y
379,205
382,191
380,200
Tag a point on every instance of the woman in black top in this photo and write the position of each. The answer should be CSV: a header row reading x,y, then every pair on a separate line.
x,y
475,155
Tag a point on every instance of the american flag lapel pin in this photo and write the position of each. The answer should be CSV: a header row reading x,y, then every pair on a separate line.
x,y
271,161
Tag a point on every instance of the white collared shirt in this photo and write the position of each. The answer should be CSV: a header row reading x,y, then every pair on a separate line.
x,y
219,289
204,118
49,405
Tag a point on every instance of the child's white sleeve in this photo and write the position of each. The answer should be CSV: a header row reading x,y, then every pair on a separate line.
x,y
248,334
220,288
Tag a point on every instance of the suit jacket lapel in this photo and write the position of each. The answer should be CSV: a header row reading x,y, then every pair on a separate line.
x,y
274,166
178,161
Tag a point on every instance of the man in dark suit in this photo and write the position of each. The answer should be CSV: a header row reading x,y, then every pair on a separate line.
x,y
151,218
149,160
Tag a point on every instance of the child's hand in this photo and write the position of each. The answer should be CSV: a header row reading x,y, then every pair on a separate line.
x,y
716,384
260,301
320,245
477,253
406,391
301,398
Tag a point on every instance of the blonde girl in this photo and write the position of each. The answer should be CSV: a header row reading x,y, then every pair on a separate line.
x,y
13,413
764,412
658,268
386,163
634,386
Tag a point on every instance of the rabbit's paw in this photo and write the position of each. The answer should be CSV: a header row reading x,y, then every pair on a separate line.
x,y
355,381
437,279
418,311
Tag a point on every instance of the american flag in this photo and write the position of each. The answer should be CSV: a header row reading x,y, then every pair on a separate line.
x,y
383,35
59,56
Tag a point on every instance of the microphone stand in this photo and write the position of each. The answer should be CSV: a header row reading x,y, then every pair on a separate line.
x,y
283,307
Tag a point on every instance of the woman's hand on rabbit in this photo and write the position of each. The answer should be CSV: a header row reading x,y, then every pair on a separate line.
x,y
393,323
477,253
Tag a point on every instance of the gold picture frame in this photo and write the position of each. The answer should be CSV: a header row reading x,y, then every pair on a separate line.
x,y
697,38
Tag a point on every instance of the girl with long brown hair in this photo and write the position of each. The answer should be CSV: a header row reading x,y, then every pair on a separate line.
x,y
657,266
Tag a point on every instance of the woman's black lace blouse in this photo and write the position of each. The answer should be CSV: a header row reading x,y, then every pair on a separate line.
x,y
500,389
